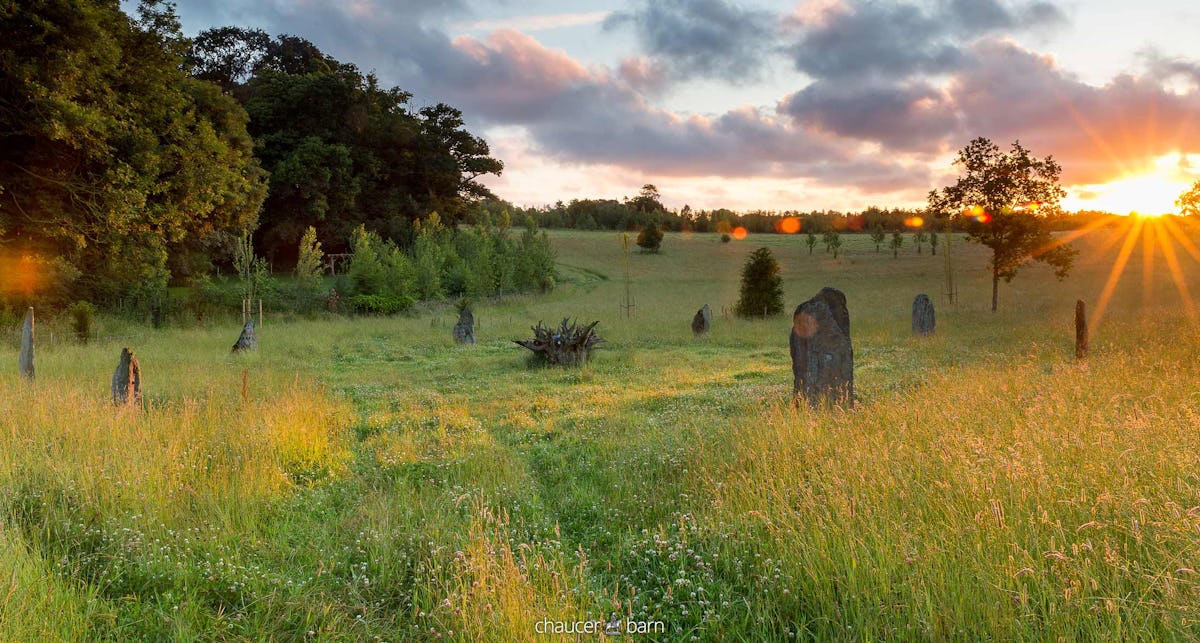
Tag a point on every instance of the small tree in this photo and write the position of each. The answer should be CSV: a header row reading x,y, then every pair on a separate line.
x,y
933,242
252,270
762,286
810,240
1009,194
650,239
877,236
919,239
309,270
833,242
897,241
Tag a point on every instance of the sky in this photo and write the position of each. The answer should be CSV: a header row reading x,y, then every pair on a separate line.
x,y
782,105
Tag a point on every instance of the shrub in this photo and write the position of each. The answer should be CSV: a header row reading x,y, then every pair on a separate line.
x,y
762,286
380,304
725,237
82,316
650,238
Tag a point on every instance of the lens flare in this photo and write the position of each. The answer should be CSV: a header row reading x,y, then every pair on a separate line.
x,y
739,233
914,222
789,225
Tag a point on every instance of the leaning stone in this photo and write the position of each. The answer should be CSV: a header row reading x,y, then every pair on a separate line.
x,y
127,380
464,328
924,322
702,322
247,341
1081,330
822,354
25,358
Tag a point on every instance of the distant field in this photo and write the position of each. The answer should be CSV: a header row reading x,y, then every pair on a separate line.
x,y
379,481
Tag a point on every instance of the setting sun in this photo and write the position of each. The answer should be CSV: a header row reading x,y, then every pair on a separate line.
x,y
1151,193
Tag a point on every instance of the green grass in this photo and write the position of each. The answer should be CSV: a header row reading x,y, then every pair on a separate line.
x,y
379,481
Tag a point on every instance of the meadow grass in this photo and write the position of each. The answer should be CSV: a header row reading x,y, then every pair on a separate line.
x,y
380,482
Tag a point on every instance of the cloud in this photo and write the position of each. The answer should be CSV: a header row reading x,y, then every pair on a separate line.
x,y
703,38
886,39
913,116
541,22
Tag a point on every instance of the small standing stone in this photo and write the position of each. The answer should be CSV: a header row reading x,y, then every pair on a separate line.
x,y
247,341
822,355
1081,330
702,322
25,359
923,320
127,380
464,328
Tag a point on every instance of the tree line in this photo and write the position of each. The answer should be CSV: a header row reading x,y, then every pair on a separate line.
x,y
134,157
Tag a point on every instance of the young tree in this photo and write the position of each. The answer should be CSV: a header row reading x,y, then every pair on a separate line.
x,y
810,240
650,239
933,242
762,286
897,241
833,242
1009,194
877,235
919,238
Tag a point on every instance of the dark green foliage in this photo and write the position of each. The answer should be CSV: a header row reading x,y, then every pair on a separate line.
x,y
113,159
762,286
342,150
897,243
650,239
725,238
877,236
82,316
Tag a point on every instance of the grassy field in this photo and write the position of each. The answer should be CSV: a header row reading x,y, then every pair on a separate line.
x,y
378,482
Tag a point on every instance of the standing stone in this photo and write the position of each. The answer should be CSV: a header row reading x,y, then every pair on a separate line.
x,y
702,322
127,380
247,341
1081,330
923,320
822,355
464,328
25,359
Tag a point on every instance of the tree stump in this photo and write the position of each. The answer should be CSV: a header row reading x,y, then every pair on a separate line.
x,y
1081,330
247,341
822,354
702,322
127,380
464,328
923,320
567,345
25,358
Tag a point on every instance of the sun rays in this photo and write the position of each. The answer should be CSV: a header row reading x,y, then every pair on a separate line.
x,y
1159,237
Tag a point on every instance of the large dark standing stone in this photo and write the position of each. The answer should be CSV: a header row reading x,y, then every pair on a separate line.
x,y
25,358
822,355
702,322
1081,330
464,328
923,320
247,341
127,380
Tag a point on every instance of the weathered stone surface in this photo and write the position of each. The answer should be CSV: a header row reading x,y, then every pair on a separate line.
x,y
25,358
127,380
464,328
1081,330
702,322
247,341
923,320
822,354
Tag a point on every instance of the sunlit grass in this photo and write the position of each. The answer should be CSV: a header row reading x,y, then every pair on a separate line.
x,y
378,481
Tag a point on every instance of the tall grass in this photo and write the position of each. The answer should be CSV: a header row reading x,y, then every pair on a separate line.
x,y
379,481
